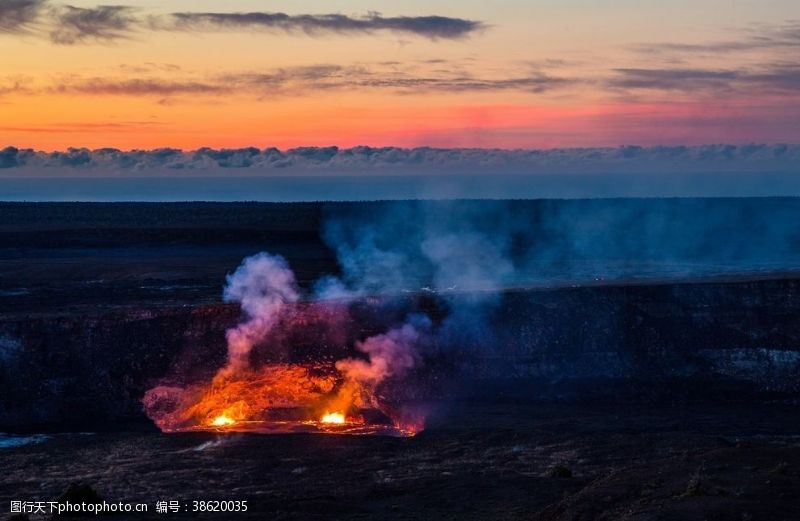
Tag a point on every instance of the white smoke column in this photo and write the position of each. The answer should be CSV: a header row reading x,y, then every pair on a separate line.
x,y
390,354
468,260
264,285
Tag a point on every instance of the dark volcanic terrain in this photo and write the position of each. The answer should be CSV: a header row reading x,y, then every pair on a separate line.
x,y
629,378
477,461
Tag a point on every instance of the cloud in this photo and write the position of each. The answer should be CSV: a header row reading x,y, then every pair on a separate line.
x,y
434,27
673,79
785,36
775,78
762,57
138,87
8,157
336,77
769,79
288,81
18,16
104,23
779,78
707,158
536,83
14,86
108,23
84,128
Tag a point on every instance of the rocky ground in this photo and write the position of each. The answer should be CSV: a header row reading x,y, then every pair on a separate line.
x,y
98,302
476,461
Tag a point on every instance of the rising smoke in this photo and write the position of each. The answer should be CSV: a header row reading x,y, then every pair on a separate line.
x,y
484,246
390,354
464,254
455,250
461,253
263,285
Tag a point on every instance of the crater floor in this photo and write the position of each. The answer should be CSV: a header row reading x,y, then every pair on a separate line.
x,y
475,461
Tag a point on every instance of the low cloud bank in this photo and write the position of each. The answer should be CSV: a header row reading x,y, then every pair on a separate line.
x,y
391,160
70,25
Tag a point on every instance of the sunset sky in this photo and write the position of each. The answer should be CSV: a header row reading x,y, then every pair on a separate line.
x,y
468,73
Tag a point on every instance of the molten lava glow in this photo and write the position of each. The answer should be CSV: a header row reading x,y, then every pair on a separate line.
x,y
222,421
276,398
338,397
333,417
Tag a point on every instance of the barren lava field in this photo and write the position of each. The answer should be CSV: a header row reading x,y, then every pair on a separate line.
x,y
624,386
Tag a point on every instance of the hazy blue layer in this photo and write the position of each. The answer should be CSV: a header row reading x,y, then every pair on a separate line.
x,y
8,441
354,188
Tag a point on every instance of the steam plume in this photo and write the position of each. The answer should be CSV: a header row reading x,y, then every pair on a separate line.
x,y
449,249
263,284
390,354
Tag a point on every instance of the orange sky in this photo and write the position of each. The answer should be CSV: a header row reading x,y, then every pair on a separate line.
x,y
554,74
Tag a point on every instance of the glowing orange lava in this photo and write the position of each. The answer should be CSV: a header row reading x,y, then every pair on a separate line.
x,y
222,421
258,390
278,398
333,417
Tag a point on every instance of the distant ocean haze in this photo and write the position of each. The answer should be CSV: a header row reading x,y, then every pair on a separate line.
x,y
398,187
